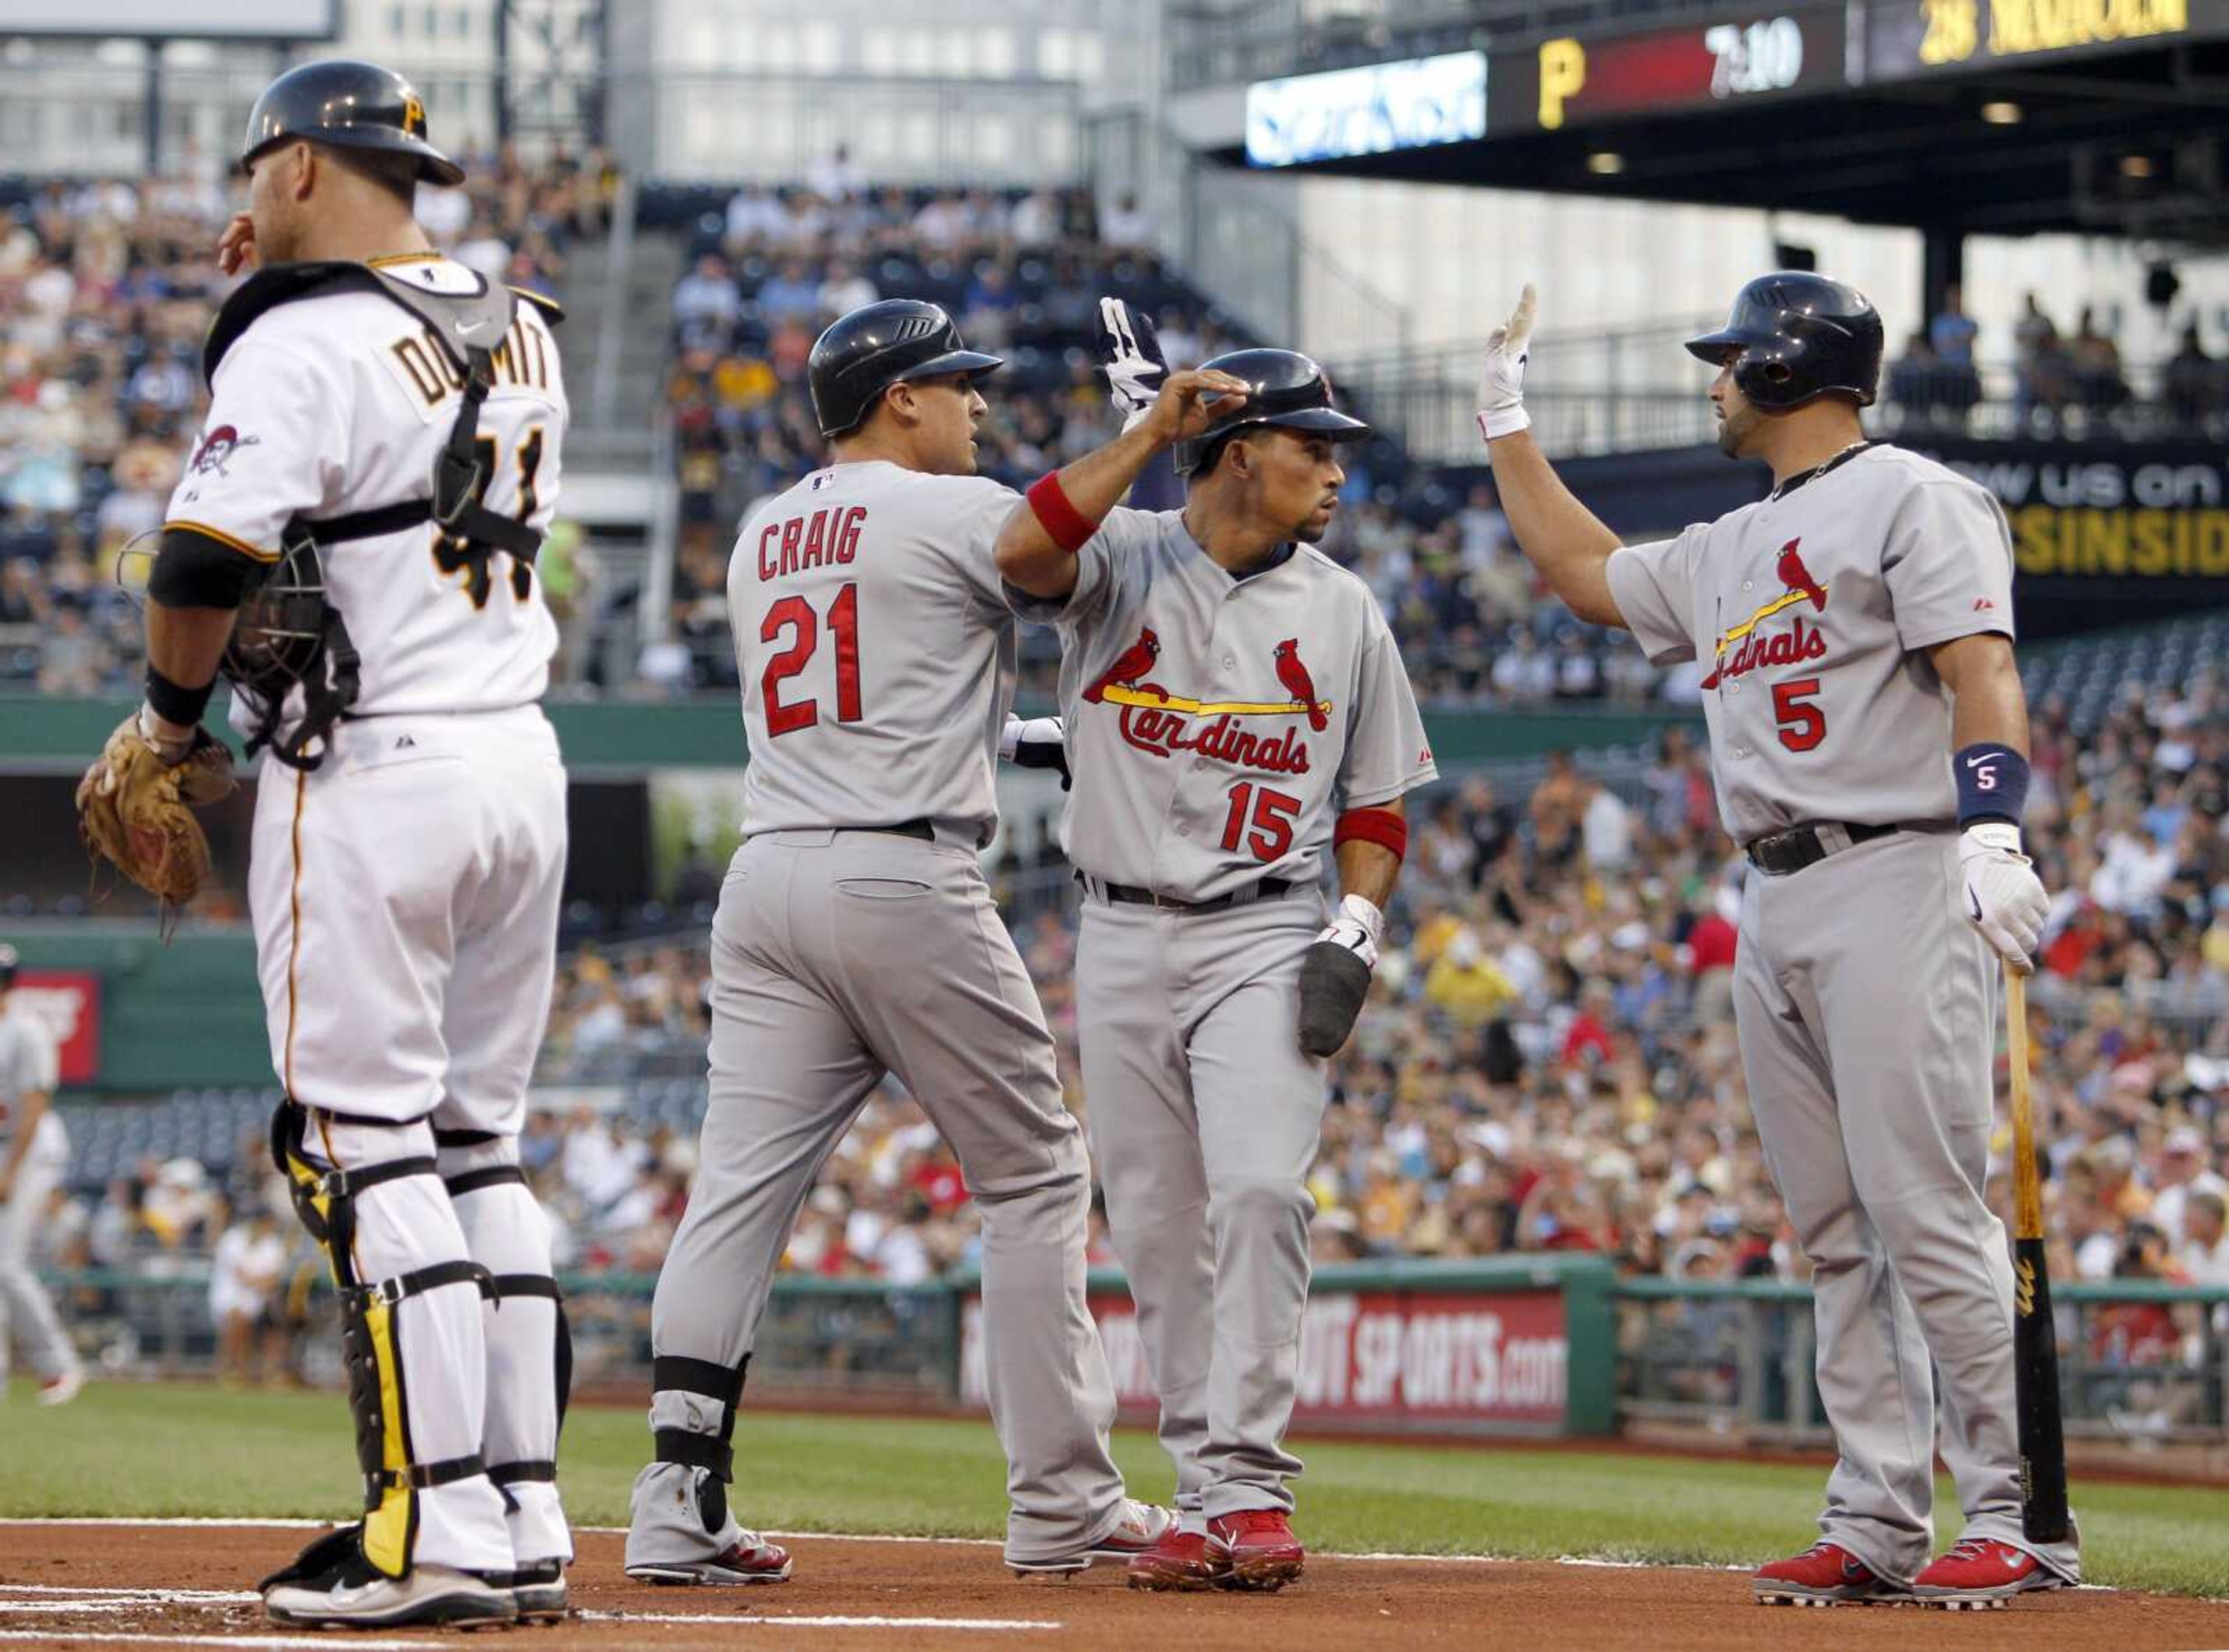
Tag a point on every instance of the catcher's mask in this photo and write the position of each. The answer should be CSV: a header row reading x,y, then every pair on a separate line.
x,y
280,639
289,632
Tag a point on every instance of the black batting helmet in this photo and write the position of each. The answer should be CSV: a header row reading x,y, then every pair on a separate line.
x,y
1288,390
877,345
10,962
1799,336
355,106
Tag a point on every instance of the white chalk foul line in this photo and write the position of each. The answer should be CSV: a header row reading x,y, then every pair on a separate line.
x,y
269,1643
771,1621
150,1596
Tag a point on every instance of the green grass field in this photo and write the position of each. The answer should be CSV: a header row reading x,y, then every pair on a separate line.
x,y
190,1448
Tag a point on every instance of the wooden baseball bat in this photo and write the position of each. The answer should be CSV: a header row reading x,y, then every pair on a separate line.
x,y
2035,1343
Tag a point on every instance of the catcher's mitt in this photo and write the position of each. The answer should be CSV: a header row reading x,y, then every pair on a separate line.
x,y
136,812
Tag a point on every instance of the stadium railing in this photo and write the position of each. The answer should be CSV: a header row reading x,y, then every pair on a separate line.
x,y
1636,391
1736,1357
1553,1344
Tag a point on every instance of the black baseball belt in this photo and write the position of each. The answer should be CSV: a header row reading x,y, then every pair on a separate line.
x,y
1269,889
1779,853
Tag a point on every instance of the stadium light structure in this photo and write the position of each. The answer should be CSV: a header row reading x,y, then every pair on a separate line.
x,y
2002,113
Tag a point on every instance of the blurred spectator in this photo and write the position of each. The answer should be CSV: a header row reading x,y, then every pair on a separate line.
x,y
2096,362
2192,387
244,1279
844,290
836,178
706,304
1127,226
1951,334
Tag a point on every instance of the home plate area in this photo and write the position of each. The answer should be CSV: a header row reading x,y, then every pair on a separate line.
x,y
66,1584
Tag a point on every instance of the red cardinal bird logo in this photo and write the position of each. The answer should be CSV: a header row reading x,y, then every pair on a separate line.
x,y
1137,659
1294,675
1791,573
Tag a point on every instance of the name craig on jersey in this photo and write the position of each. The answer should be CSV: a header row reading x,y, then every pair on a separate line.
x,y
827,538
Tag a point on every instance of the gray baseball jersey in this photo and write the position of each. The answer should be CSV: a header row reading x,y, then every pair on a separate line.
x,y
878,660
1811,612
1218,726
28,1065
875,651
1863,998
1215,727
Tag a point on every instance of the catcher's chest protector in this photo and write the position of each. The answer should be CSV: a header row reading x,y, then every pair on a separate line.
x,y
296,635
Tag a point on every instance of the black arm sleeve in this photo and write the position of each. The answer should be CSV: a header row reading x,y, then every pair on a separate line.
x,y
193,570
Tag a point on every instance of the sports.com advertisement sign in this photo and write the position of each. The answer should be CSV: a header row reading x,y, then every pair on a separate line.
x,y
69,1003
1377,1359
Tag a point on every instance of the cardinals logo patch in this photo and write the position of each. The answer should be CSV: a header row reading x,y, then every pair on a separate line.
x,y
1742,648
1164,723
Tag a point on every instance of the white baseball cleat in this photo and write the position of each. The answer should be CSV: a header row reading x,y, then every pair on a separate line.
x,y
357,1597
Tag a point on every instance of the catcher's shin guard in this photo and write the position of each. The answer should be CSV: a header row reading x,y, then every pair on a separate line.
x,y
529,1345
372,1349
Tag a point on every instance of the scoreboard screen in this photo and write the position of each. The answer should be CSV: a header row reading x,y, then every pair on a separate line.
x,y
1903,39
1712,62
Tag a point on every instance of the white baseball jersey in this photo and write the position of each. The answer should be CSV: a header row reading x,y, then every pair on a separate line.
x,y
29,1064
1810,612
341,402
1218,726
874,648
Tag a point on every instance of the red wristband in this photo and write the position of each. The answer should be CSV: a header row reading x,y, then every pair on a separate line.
x,y
1069,528
1381,826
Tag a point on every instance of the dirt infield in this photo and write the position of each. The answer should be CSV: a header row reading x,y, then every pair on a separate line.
x,y
96,1585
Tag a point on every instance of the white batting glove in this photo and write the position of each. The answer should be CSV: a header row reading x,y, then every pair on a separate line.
x,y
2005,899
1501,375
1131,357
1357,926
1036,742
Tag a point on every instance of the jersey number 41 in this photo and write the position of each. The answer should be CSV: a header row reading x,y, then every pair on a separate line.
x,y
454,556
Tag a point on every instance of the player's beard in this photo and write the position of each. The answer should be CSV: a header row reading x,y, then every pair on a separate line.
x,y
1735,430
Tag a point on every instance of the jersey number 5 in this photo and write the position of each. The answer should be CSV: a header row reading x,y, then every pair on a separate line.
x,y
1800,725
455,556
793,615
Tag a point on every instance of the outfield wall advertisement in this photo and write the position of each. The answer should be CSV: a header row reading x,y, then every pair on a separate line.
x,y
1440,1361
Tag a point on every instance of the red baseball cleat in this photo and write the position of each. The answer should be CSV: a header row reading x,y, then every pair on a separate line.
x,y
1260,1546
750,1559
1826,1574
1181,1560
1979,1574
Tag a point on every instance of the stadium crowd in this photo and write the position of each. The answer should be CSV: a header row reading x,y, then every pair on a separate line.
x,y
1548,1063
106,288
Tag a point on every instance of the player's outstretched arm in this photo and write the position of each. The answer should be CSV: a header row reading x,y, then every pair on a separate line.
x,y
1036,548
1564,539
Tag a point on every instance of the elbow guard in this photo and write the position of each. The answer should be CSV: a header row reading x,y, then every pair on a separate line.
x,y
194,569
